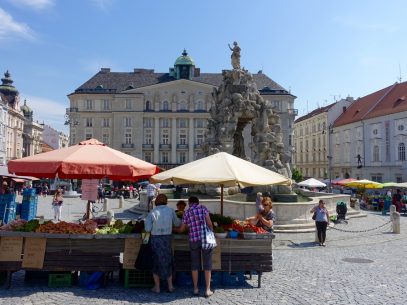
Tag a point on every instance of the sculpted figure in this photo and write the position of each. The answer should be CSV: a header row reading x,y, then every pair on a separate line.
x,y
235,55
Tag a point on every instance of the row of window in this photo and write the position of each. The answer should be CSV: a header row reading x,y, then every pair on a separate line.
x,y
165,157
148,122
148,106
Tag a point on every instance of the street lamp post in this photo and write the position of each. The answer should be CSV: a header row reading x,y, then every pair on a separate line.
x,y
329,156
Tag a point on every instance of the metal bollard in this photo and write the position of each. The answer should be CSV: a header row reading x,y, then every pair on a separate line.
x,y
121,201
396,222
316,235
105,204
110,216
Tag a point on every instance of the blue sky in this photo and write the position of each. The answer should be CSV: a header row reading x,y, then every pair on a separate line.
x,y
320,50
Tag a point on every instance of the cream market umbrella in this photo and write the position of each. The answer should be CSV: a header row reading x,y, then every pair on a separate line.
x,y
401,185
364,184
224,169
311,182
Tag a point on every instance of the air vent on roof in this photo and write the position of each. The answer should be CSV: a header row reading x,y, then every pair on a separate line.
x,y
129,87
99,87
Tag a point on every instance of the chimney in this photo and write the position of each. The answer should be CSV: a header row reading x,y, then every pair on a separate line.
x,y
343,108
105,70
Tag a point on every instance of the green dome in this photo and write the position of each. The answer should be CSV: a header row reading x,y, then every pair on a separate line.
x,y
184,60
27,110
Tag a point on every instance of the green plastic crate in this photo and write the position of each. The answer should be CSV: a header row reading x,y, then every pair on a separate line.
x,y
60,280
138,279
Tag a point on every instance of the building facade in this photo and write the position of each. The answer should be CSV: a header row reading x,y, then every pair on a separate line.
x,y
3,129
369,139
159,117
32,134
15,124
312,133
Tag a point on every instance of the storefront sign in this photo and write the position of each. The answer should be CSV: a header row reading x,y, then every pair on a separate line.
x,y
11,249
34,253
90,189
131,249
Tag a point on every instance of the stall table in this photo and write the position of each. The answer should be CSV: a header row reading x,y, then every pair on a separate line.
x,y
70,252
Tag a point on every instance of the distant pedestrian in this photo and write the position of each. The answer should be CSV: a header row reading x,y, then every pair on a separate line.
x,y
57,202
151,194
321,221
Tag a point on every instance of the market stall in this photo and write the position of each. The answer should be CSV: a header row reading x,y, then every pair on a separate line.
x,y
83,250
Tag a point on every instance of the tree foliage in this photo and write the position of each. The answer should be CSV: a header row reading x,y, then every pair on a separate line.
x,y
297,175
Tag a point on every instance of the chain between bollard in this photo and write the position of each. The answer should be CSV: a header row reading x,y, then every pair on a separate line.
x,y
361,231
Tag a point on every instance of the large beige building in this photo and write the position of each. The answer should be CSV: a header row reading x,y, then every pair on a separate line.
x,y
313,135
159,117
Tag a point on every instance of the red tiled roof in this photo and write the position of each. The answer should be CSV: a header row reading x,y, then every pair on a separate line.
x,y
314,113
46,148
392,99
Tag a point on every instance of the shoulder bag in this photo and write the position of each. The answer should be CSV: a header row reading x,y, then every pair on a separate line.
x,y
207,237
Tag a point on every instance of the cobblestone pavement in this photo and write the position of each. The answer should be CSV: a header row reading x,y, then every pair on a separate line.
x,y
361,267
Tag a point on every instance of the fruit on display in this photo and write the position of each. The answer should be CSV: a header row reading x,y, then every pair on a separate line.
x,y
15,225
62,227
245,226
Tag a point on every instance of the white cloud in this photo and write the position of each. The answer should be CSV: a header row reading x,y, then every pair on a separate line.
x,y
103,5
45,110
365,25
33,4
9,27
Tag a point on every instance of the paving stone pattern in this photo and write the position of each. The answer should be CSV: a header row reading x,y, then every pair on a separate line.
x,y
304,273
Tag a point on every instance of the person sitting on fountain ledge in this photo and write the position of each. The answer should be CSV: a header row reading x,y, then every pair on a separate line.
x,y
265,218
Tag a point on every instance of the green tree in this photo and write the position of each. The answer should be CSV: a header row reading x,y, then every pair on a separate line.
x,y
297,175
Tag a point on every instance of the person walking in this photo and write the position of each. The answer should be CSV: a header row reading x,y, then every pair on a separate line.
x,y
321,221
195,218
57,202
151,193
159,223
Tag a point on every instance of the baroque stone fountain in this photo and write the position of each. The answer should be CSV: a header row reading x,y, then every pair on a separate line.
x,y
237,103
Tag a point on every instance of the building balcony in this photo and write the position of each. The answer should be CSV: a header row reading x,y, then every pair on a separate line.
x,y
127,145
182,146
165,146
72,109
198,146
167,166
292,111
148,146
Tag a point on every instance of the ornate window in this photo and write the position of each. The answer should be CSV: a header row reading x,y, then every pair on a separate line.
x,y
182,139
199,106
148,106
106,105
166,106
165,139
148,156
148,123
182,157
128,104
89,105
182,106
148,138
164,157
89,122
402,152
127,122
127,137
376,153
